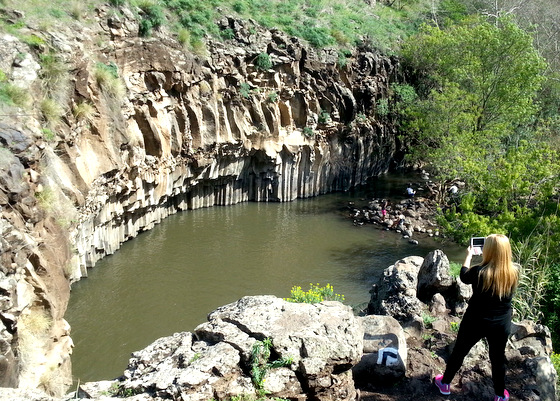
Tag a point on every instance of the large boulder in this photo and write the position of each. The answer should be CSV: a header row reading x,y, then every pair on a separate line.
x,y
433,276
395,293
315,345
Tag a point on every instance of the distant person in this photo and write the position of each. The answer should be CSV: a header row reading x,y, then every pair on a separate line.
x,y
488,314
410,192
384,209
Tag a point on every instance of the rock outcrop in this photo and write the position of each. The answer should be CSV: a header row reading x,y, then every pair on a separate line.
x,y
431,324
122,131
316,345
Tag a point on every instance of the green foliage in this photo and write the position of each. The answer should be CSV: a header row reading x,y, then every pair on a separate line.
x,y
324,116
153,17
314,294
48,134
33,40
227,33
308,132
13,95
263,62
261,363
555,358
428,319
83,111
117,3
454,326
476,82
52,111
272,96
54,74
533,279
107,78
454,269
382,107
551,305
245,90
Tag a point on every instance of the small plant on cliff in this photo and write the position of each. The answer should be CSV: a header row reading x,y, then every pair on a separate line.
x,y
107,78
428,320
308,132
314,294
261,364
153,16
83,111
454,269
263,62
52,111
324,116
245,90
272,97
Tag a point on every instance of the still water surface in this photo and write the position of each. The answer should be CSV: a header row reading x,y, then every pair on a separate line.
x,y
168,279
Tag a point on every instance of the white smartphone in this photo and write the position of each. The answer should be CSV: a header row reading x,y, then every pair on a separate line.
x,y
477,243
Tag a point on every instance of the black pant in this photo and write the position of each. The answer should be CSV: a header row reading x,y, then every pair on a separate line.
x,y
496,330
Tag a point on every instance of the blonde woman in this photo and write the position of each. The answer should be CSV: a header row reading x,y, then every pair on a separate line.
x,y
488,314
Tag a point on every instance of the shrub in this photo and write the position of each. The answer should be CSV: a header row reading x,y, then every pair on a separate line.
x,y
261,363
184,36
308,132
428,320
107,79
51,110
245,90
454,269
263,62
13,95
33,40
314,294
83,111
153,17
227,33
272,97
324,116
53,74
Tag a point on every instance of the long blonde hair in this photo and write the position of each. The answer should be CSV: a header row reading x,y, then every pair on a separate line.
x,y
499,275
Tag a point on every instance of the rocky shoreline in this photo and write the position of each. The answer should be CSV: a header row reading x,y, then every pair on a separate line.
x,y
327,353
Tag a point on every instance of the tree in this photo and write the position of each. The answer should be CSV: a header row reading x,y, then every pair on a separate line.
x,y
477,82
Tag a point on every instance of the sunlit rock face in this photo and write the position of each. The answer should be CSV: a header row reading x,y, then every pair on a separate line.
x,y
194,131
147,128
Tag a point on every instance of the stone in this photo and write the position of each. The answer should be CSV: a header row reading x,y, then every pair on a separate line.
x,y
385,351
321,342
395,293
433,276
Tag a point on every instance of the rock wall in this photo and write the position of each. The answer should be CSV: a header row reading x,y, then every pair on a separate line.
x,y
122,131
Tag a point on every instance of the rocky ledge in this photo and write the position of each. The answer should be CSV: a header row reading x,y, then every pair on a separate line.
x,y
263,345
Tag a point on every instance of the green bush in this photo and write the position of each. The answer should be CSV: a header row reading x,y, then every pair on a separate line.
x,y
51,110
13,95
308,132
263,62
314,294
245,90
454,269
324,116
153,17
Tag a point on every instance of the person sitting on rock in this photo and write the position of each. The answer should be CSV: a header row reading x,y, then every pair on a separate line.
x,y
488,314
410,192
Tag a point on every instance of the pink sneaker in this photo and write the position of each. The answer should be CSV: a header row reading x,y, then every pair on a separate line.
x,y
443,388
504,398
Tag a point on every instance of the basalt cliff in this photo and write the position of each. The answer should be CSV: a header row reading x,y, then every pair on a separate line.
x,y
121,131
